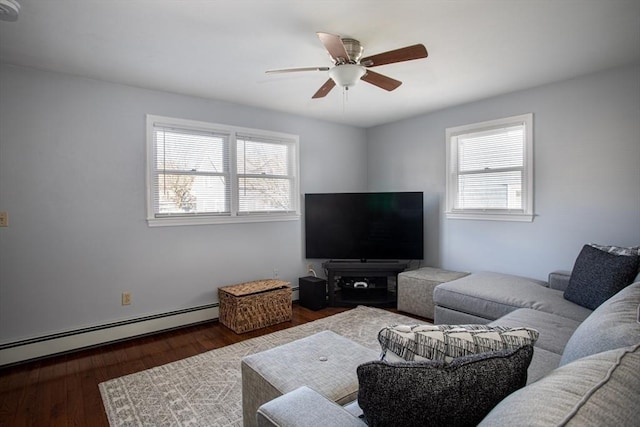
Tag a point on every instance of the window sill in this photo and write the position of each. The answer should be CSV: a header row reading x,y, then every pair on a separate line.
x,y
488,216
208,220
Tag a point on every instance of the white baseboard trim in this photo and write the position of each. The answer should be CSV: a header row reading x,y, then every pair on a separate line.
x,y
90,337
66,342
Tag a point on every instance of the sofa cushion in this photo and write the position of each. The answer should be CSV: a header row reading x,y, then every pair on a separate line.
x,y
447,316
597,275
305,404
445,342
598,390
458,393
554,330
614,324
542,362
492,295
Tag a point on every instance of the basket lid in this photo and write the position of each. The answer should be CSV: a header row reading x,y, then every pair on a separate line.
x,y
254,287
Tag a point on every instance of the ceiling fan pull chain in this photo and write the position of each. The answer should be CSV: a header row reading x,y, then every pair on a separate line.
x,y
345,98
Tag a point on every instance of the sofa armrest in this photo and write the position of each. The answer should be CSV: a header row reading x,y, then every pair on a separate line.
x,y
304,407
559,279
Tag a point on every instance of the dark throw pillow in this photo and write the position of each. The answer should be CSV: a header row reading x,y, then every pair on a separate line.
x,y
457,393
598,275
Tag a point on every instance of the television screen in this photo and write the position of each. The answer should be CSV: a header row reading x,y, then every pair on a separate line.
x,y
364,226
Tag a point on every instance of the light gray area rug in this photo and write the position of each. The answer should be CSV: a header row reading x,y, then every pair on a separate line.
x,y
206,390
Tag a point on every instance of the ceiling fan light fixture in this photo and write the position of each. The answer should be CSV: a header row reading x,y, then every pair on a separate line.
x,y
349,66
347,75
9,10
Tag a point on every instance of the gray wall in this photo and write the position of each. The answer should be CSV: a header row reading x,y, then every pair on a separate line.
x,y
587,175
72,177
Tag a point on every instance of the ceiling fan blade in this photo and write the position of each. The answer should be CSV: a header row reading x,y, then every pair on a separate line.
x,y
324,90
384,82
408,53
294,70
334,46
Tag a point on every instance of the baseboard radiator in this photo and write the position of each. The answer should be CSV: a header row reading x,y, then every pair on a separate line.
x,y
66,342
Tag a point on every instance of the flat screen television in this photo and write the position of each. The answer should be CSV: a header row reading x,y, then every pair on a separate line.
x,y
364,226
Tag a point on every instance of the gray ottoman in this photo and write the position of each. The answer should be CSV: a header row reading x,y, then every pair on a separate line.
x,y
325,362
415,289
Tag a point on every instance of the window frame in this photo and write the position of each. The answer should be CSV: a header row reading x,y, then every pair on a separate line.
x,y
526,214
232,133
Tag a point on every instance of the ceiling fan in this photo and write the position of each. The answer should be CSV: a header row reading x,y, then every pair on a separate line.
x,y
349,66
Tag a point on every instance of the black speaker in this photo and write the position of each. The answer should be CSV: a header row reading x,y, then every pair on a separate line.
x,y
313,292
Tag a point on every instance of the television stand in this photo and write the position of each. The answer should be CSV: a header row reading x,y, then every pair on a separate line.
x,y
375,293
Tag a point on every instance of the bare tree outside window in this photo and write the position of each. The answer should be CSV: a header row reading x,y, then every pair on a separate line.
x,y
176,190
264,183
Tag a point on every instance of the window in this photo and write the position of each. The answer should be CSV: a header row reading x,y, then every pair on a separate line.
x,y
205,173
490,170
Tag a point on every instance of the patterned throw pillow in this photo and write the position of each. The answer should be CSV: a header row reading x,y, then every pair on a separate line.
x,y
618,250
445,342
437,393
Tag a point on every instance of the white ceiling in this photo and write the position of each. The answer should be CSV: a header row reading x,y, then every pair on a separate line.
x,y
220,49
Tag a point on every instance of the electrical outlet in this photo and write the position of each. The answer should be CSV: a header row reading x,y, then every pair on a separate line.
x,y
4,219
275,273
309,268
126,298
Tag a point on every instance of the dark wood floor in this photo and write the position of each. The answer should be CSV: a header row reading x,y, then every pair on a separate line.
x,y
63,390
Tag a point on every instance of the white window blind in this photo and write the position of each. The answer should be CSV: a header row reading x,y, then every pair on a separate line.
x,y
265,175
490,170
192,172
202,173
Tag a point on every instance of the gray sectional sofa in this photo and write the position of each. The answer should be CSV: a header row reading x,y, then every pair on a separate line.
x,y
506,300
585,368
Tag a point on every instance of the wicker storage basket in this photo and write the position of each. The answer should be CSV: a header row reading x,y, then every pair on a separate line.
x,y
254,305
